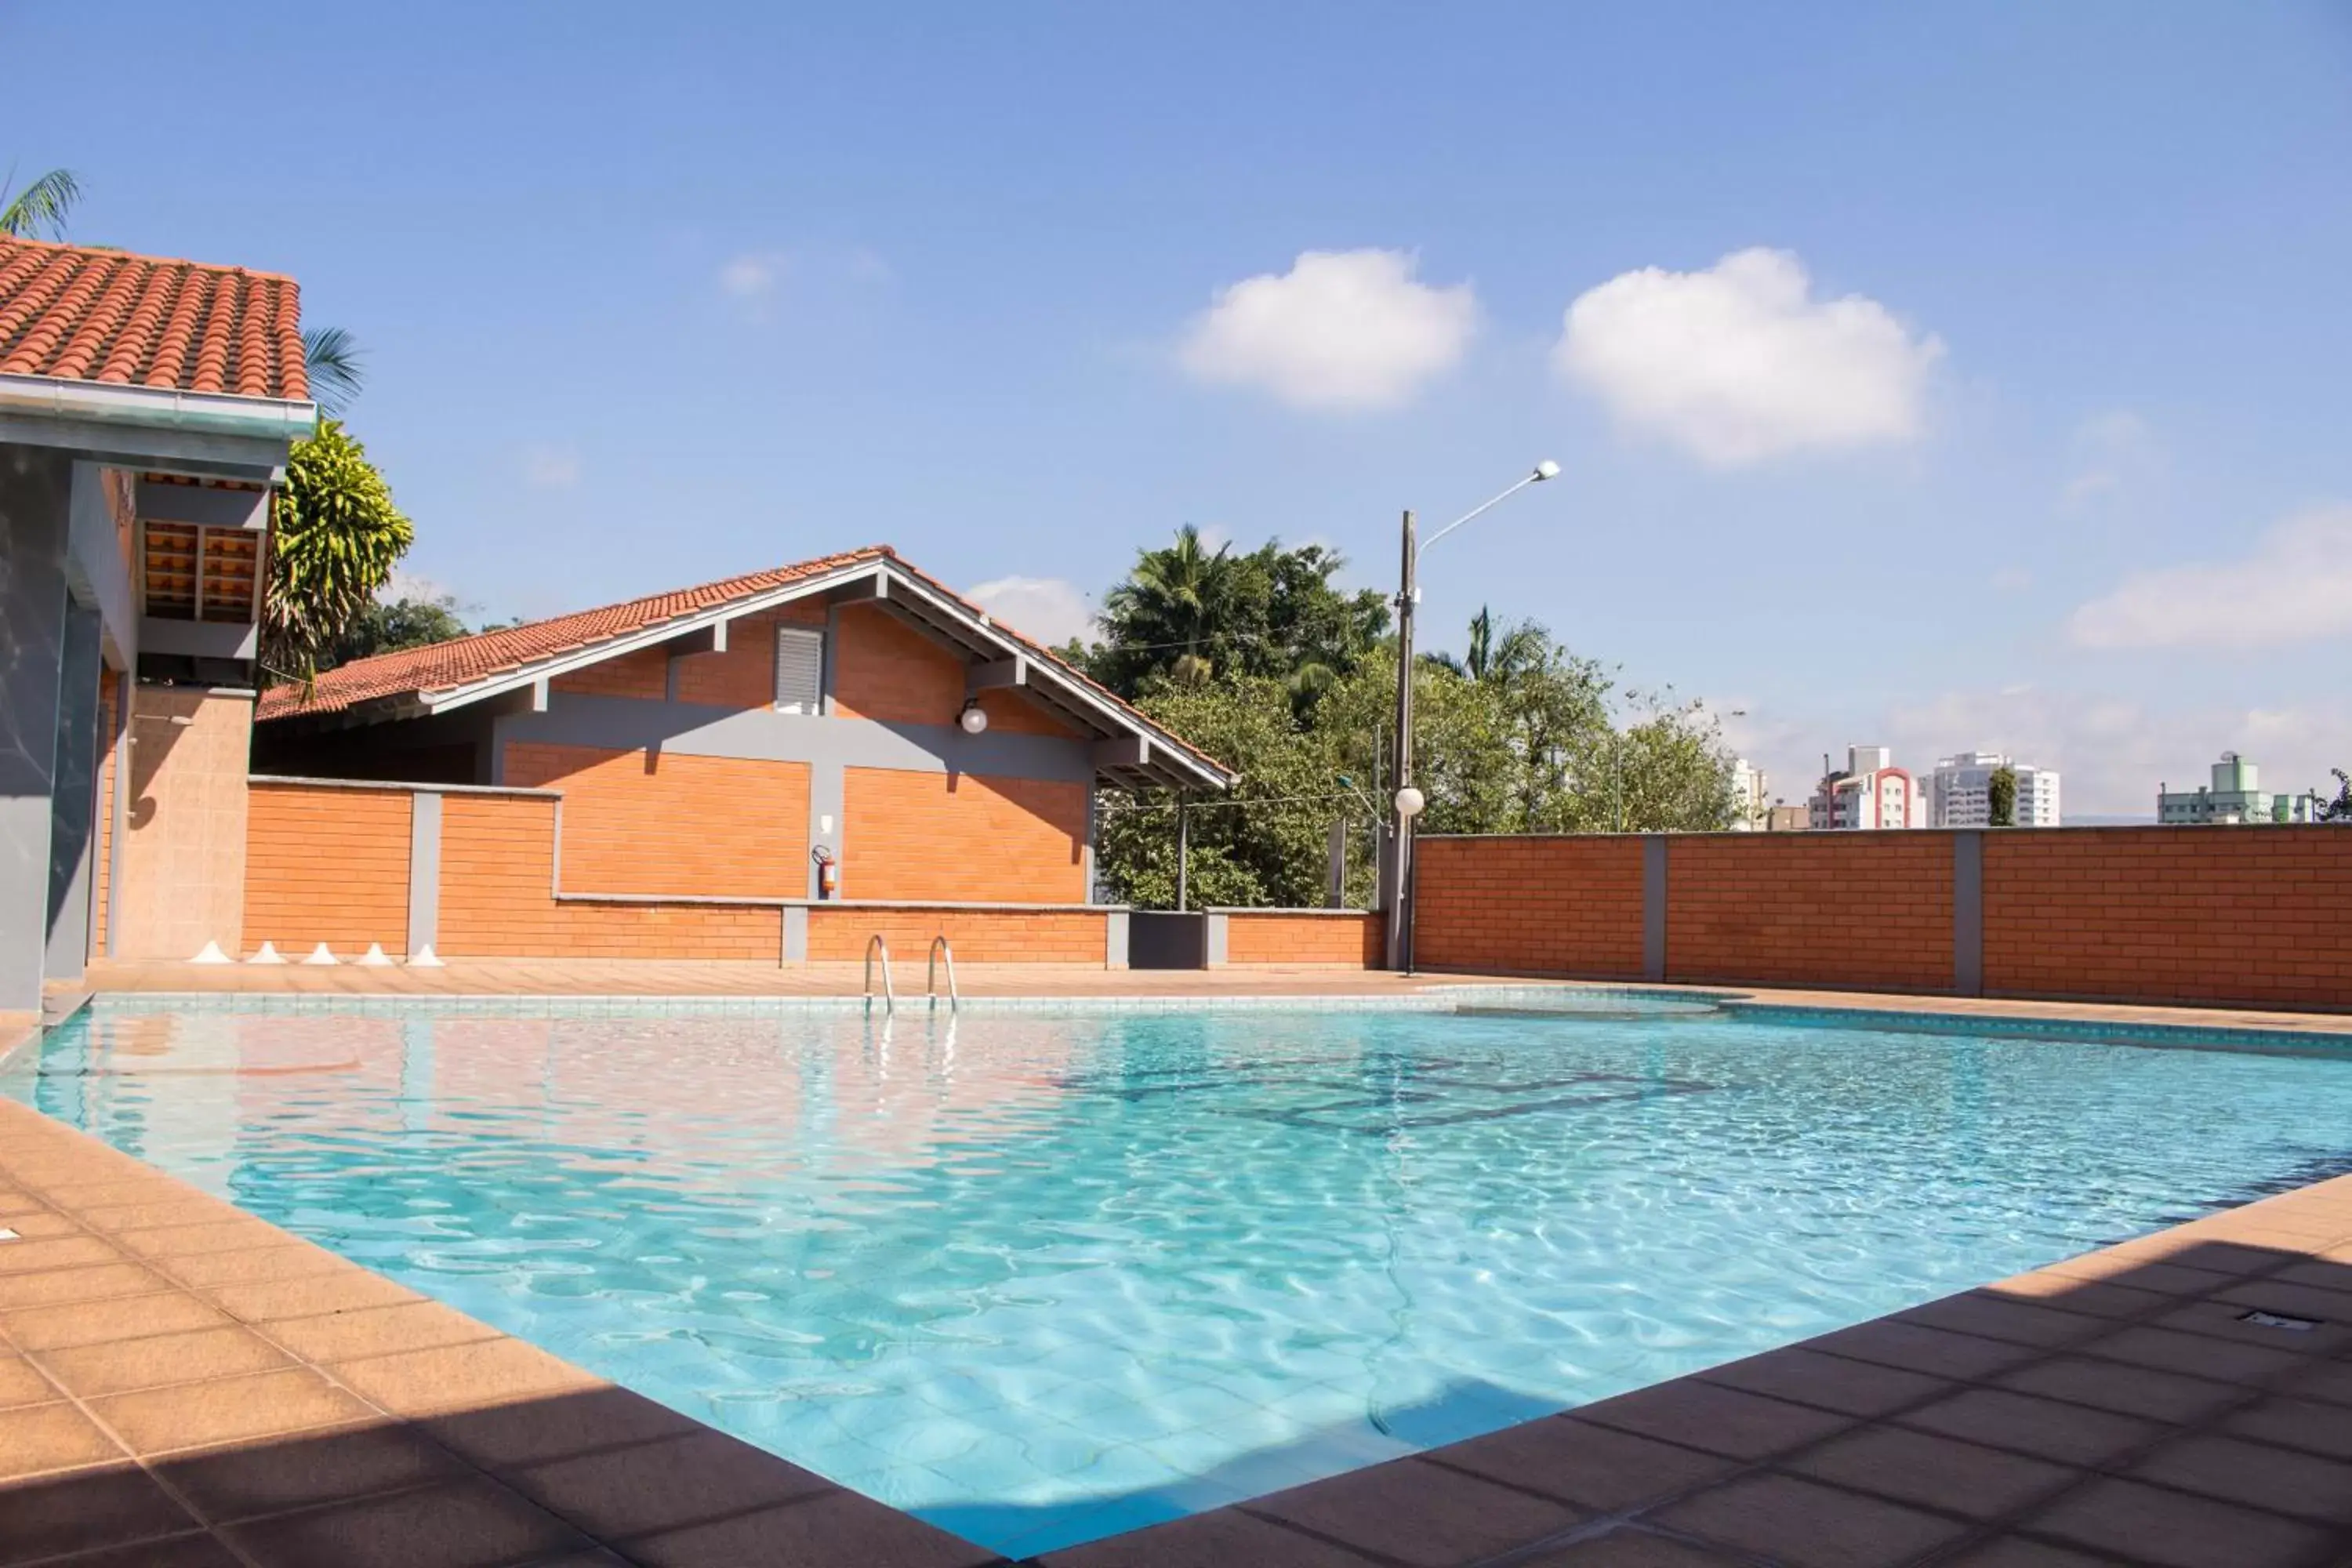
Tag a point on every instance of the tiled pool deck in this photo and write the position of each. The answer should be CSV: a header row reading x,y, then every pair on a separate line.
x,y
182,1384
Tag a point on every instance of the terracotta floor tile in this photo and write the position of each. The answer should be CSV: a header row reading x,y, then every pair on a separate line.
x,y
96,1322
39,1439
1934,1471
22,1383
119,1367
468,1523
2186,1251
1832,1382
378,1331
2256,1474
199,1550
255,1265
2195,1355
54,1253
1597,1467
1630,1546
2225,1319
2143,1274
1419,1512
1800,1523
172,1241
665,1484
2312,1273
453,1378
102,1283
2129,1390
83,1510
228,1410
2015,1552
2070,1434
239,1480
2317,1427
2091,1297
1914,1347
1994,1317
1225,1538
2156,1525
1718,1420
117,1217
41,1227
343,1291
839,1527
14,1202
540,1430
114,1191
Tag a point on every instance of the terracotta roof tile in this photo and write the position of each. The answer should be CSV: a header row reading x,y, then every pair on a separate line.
x,y
80,314
444,667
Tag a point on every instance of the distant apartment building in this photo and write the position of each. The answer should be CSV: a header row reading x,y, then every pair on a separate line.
x,y
1872,792
2235,796
1786,819
1960,792
1750,799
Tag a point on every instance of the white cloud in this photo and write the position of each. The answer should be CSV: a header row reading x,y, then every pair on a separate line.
x,y
550,467
2110,451
1741,362
751,276
2295,587
1044,609
1343,330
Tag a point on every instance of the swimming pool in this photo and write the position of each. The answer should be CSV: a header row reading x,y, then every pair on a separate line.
x,y
1040,1275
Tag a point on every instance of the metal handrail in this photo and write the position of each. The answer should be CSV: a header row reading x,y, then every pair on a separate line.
x,y
940,947
875,944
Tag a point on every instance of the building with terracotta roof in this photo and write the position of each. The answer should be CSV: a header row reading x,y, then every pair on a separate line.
x,y
146,406
844,731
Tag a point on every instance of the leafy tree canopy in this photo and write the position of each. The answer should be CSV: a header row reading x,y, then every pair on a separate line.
x,y
384,627
337,538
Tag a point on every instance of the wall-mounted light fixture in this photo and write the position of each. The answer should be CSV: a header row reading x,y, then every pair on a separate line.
x,y
974,718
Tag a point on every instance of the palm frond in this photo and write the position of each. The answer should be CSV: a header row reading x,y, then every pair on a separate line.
x,y
41,207
331,356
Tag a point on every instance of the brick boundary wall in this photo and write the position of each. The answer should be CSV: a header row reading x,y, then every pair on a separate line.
x,y
1339,939
477,873
2247,916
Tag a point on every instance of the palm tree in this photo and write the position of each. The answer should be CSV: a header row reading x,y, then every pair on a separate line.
x,y
1178,607
331,356
40,207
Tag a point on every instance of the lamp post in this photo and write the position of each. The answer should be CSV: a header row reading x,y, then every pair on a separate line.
x,y
1408,802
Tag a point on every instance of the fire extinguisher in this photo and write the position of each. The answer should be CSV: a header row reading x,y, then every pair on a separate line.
x,y
828,872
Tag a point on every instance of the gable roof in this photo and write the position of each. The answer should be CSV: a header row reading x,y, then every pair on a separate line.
x,y
76,314
465,670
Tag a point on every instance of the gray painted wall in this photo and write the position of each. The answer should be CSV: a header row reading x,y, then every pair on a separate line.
x,y
73,803
35,495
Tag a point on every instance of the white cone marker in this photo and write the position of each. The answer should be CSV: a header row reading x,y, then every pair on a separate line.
x,y
321,956
374,958
212,954
425,958
268,955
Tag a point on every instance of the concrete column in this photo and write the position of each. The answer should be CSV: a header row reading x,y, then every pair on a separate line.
x,y
1653,906
36,494
795,933
1115,940
73,803
1213,941
1968,911
423,871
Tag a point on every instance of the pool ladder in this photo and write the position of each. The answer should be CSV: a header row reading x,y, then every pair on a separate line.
x,y
941,948
875,944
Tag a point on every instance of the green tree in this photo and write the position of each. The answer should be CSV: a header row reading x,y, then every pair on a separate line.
x,y
2340,808
387,627
41,207
2000,796
336,537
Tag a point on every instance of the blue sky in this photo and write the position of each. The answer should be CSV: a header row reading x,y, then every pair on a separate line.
x,y
2018,420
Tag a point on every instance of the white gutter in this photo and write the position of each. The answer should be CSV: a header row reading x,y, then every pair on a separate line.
x,y
158,408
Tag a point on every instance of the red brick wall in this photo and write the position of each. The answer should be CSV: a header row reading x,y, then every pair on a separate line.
x,y
745,675
1541,905
326,865
979,936
643,674
1869,910
635,822
885,668
497,872
963,837
1350,940
2260,916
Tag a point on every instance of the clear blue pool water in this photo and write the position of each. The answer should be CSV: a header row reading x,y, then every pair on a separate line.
x,y
1039,1276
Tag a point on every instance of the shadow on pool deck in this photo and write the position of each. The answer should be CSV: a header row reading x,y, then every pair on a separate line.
x,y
183,1384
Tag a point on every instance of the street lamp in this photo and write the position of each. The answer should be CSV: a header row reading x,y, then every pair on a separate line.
x,y
1408,800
